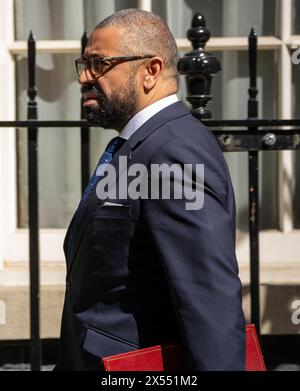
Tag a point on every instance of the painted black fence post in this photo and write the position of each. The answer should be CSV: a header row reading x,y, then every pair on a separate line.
x,y
33,212
253,167
84,135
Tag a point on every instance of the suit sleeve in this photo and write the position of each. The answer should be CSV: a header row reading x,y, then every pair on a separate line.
x,y
197,251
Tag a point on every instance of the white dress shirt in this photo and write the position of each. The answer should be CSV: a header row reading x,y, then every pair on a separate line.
x,y
142,116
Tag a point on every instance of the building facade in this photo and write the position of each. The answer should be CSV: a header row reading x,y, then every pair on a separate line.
x,y
58,26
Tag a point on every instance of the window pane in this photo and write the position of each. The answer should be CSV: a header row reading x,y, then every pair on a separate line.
x,y
59,149
63,19
230,97
95,10
296,16
49,19
223,17
59,95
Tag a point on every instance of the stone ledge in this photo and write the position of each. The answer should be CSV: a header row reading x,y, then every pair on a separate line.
x,y
276,310
17,273
283,273
16,299
53,273
280,287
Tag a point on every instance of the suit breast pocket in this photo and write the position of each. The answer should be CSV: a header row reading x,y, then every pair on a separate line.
x,y
112,229
113,212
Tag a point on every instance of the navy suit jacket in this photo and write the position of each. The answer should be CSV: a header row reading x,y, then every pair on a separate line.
x,y
151,272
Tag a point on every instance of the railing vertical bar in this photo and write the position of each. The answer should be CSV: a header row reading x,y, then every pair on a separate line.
x,y
254,188
84,135
33,211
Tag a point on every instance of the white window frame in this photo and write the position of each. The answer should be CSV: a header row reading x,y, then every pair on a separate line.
x,y
7,135
276,246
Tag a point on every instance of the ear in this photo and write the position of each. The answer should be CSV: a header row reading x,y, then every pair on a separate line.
x,y
152,72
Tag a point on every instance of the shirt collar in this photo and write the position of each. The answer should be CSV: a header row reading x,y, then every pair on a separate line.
x,y
142,116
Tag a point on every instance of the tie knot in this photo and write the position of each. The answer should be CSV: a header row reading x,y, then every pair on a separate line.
x,y
115,144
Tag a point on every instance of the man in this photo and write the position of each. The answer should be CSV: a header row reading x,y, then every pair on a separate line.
x,y
146,271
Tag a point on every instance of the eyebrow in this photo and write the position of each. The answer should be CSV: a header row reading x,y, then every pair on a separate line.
x,y
85,57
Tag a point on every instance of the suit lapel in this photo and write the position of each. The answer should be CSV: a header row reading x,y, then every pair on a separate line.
x,y
66,240
86,212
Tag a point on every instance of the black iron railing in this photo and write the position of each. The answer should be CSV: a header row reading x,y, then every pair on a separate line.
x,y
249,135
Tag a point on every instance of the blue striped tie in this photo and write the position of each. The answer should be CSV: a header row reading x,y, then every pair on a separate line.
x,y
105,159
112,147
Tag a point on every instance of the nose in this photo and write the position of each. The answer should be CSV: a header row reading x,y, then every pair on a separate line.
x,y
86,77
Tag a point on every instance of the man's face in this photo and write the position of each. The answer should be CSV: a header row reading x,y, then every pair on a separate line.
x,y
111,98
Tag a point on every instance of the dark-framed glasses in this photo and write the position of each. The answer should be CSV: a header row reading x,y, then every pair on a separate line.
x,y
98,65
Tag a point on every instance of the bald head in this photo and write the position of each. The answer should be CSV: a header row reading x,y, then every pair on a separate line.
x,y
144,33
124,85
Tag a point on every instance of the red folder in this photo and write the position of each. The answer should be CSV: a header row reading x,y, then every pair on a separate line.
x,y
169,357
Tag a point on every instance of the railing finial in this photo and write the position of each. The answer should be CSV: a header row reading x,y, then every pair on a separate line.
x,y
199,67
253,91
32,90
198,34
